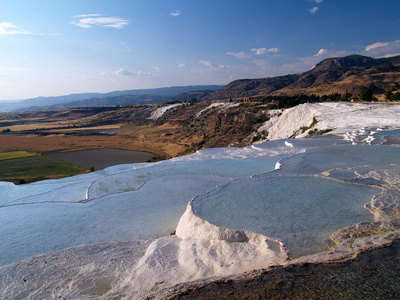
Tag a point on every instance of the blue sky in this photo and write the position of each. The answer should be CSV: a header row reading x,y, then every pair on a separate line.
x,y
58,47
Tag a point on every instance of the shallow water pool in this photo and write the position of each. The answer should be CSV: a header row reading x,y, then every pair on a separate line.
x,y
300,210
322,159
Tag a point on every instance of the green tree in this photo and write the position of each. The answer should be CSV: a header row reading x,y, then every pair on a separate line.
x,y
388,95
347,96
366,95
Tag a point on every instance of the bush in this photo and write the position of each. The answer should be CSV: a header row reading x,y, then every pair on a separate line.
x,y
396,96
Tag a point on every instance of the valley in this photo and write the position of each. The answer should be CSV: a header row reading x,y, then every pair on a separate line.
x,y
236,114
175,133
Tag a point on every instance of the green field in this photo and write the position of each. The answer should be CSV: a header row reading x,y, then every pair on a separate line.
x,y
15,154
18,168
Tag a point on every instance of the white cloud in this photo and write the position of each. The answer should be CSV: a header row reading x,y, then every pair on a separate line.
x,y
141,73
207,63
89,15
88,21
261,51
383,49
321,52
318,1
177,13
10,29
181,65
238,54
391,55
314,10
125,72
376,45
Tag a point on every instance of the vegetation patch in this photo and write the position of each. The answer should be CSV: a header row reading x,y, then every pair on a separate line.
x,y
35,168
15,154
319,132
305,128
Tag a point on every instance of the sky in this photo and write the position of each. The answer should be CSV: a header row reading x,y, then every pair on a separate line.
x,y
60,47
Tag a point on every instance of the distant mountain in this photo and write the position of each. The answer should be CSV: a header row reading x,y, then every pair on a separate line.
x,y
350,74
116,100
44,102
346,62
252,87
190,96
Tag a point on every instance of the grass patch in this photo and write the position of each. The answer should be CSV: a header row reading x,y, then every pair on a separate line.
x,y
35,168
305,128
319,132
15,154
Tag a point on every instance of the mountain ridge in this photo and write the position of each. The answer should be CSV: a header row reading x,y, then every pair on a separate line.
x,y
349,74
59,101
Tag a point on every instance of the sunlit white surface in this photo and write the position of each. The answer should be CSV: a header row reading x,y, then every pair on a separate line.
x,y
150,212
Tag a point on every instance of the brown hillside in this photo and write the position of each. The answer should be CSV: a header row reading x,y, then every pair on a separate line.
x,y
350,74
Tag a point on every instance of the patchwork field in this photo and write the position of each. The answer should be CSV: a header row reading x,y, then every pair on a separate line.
x,y
87,128
47,144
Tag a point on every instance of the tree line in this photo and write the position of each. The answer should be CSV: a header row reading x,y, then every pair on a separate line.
x,y
285,101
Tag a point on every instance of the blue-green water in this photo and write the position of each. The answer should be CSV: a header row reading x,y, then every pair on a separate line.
x,y
301,210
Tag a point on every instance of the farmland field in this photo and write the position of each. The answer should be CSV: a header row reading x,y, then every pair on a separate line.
x,y
36,167
15,154
75,129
